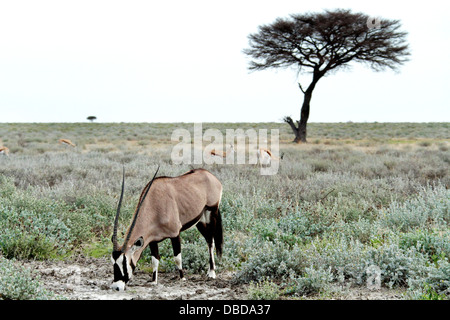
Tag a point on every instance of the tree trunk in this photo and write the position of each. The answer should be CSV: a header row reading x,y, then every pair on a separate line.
x,y
300,130
304,116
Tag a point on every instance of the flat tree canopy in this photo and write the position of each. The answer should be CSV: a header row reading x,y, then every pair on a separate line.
x,y
319,43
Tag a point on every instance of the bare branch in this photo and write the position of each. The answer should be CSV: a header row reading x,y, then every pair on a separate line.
x,y
300,86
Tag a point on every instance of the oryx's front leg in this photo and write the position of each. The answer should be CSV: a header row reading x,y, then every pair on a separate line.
x,y
155,261
176,244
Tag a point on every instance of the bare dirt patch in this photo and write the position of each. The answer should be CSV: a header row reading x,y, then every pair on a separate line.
x,y
90,279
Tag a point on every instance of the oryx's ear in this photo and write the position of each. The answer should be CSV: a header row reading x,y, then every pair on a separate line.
x,y
139,243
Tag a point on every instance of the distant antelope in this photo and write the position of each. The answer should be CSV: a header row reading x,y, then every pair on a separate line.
x,y
265,157
67,142
173,204
4,151
217,154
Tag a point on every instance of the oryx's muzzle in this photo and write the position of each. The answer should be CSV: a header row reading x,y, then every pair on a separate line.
x,y
123,270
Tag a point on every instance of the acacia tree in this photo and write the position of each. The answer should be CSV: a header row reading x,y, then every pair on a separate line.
x,y
320,43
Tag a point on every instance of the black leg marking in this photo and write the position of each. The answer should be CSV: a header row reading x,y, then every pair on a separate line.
x,y
155,260
176,245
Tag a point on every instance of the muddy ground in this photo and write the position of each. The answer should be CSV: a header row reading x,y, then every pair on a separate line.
x,y
90,279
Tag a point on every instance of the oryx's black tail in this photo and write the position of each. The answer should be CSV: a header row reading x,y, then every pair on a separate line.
x,y
218,234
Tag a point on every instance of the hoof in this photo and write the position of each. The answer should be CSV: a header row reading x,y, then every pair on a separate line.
x,y
211,274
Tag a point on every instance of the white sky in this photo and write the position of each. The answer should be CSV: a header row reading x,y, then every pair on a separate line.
x,y
182,61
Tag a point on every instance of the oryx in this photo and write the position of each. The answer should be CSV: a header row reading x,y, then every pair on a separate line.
x,y
167,206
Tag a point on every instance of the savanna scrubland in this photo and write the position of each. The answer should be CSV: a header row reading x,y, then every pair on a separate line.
x,y
362,207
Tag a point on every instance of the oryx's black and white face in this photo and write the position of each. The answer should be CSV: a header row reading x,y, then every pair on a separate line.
x,y
123,270
124,259
124,264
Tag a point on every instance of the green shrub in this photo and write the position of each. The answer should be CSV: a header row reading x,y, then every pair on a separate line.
x,y
434,286
434,244
297,227
427,293
195,257
236,214
397,265
291,228
27,234
269,260
362,230
7,187
439,278
353,261
264,290
347,258
430,209
19,283
315,280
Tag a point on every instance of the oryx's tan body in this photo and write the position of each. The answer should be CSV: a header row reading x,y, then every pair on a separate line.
x,y
179,203
167,206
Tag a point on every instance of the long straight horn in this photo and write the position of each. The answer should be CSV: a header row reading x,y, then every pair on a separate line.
x,y
137,212
116,220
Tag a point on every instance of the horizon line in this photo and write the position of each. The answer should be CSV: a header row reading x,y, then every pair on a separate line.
x,y
188,122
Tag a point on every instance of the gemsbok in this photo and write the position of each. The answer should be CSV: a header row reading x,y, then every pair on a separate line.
x,y
66,142
265,157
4,151
166,207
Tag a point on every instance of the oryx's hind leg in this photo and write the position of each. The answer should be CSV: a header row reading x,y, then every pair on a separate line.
x,y
206,226
155,261
176,244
